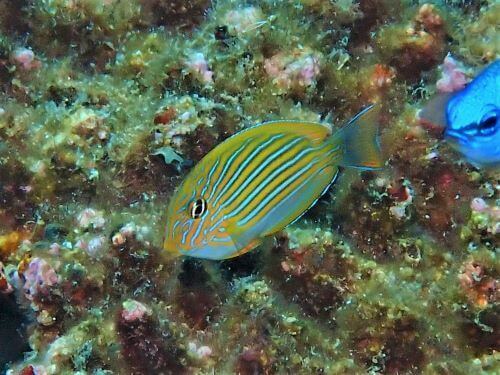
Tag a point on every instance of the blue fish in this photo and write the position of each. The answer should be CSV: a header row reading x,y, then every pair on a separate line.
x,y
471,117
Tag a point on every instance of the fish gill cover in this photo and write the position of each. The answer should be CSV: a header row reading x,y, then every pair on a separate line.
x,y
106,105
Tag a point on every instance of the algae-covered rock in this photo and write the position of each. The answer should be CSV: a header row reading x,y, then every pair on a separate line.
x,y
106,105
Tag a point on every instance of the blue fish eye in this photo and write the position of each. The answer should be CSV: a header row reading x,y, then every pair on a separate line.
x,y
488,124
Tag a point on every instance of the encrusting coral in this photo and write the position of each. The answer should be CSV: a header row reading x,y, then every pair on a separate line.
x,y
105,106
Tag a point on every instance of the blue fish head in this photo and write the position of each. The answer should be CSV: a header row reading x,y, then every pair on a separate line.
x,y
473,118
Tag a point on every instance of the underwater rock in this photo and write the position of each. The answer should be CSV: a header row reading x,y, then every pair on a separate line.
x,y
250,362
145,349
17,205
398,351
403,197
9,243
243,20
184,15
254,294
476,33
106,105
193,273
92,245
165,116
483,331
417,48
242,266
13,335
196,298
312,274
484,217
54,232
480,288
199,352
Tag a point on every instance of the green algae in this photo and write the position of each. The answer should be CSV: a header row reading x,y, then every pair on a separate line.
x,y
351,288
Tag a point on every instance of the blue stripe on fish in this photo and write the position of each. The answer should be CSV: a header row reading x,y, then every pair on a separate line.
x,y
245,164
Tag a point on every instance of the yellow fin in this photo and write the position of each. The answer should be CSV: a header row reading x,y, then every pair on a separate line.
x,y
360,140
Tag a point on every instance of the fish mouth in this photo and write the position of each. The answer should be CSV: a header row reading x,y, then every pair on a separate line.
x,y
171,247
456,136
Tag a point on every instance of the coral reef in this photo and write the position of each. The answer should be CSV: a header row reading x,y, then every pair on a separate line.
x,y
106,105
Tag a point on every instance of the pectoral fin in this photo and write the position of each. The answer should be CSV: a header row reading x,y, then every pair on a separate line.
x,y
433,114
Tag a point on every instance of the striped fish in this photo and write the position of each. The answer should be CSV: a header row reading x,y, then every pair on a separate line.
x,y
260,180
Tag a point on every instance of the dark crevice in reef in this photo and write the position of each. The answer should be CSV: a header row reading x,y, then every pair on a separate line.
x,y
196,299
242,266
13,335
483,332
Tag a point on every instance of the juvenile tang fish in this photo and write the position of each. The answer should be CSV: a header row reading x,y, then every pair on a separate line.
x,y
260,180
471,117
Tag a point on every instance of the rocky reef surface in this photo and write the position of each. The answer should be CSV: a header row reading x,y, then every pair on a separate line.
x,y
106,104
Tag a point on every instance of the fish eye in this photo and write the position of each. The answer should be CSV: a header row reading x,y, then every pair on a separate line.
x,y
488,123
197,208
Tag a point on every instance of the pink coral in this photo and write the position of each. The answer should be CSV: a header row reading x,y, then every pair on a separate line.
x,y
197,64
453,77
39,278
54,248
25,58
91,218
478,205
129,230
199,352
134,310
93,246
296,70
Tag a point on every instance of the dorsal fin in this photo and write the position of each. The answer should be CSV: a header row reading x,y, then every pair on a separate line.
x,y
313,130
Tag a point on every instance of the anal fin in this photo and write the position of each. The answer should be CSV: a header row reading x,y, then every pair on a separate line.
x,y
252,245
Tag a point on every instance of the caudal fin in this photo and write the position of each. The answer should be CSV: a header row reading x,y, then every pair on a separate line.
x,y
360,141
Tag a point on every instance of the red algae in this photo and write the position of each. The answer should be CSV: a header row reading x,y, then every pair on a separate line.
x,y
250,362
144,348
106,106
480,288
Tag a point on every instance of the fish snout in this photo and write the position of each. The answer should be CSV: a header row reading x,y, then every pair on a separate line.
x,y
455,136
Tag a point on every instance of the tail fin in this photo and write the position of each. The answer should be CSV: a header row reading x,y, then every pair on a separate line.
x,y
360,140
